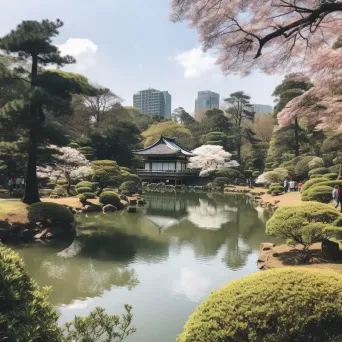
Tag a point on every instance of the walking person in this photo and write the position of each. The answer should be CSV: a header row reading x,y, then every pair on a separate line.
x,y
335,196
300,185
286,185
292,185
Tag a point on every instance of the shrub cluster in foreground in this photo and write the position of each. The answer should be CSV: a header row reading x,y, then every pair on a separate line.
x,y
289,304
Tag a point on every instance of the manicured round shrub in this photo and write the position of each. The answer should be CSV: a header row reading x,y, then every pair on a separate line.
x,y
110,197
319,171
25,312
123,168
316,163
83,190
59,191
276,187
317,176
320,193
331,176
62,182
74,145
281,305
229,173
89,195
221,181
45,211
311,182
302,166
299,222
130,186
126,177
85,184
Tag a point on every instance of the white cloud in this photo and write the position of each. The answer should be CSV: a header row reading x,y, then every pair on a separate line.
x,y
192,285
196,63
84,51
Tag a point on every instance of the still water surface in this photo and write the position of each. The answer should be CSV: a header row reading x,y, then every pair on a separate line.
x,y
163,261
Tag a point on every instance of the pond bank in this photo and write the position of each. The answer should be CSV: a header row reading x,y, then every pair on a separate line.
x,y
271,257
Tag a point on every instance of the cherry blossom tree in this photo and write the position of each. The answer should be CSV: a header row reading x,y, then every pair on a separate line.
x,y
261,34
210,158
277,36
69,163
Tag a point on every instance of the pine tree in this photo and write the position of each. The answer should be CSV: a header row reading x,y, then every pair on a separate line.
x,y
46,91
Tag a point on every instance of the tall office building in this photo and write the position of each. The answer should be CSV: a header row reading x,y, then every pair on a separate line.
x,y
153,102
205,101
260,108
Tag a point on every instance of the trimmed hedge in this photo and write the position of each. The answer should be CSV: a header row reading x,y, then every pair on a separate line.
x,y
319,171
331,176
89,195
317,176
221,181
110,197
281,305
130,186
335,169
62,182
311,182
85,184
83,190
25,312
298,222
320,193
46,211
229,173
276,187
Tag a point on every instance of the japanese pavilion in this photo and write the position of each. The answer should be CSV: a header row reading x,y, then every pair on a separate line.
x,y
165,161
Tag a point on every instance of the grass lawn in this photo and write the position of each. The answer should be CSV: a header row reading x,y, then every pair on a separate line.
x,y
13,211
70,201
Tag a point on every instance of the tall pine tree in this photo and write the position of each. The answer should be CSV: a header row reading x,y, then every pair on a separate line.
x,y
46,91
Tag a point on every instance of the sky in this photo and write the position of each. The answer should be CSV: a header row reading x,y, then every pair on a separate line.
x,y
130,45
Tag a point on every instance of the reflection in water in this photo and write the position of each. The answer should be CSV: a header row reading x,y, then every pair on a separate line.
x,y
162,260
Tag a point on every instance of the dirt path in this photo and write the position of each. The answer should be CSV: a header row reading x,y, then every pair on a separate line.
x,y
284,199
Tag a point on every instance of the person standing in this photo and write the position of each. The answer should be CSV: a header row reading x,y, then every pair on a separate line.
x,y
10,184
286,185
300,185
18,183
335,196
292,185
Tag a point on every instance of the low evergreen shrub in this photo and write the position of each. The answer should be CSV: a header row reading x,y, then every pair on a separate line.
x,y
62,182
331,176
130,186
25,313
110,197
83,190
302,222
221,181
335,169
89,195
320,193
311,182
281,305
82,198
45,211
317,176
319,171
85,184
276,187
229,173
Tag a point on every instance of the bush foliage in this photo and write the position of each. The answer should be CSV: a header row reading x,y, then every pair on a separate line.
x,y
83,190
85,184
129,186
110,197
304,222
221,181
311,182
289,304
320,193
319,171
25,312
45,211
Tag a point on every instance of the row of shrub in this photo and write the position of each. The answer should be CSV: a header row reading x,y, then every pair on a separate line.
x,y
319,189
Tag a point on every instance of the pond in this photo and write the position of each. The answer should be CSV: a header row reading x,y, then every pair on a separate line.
x,y
163,261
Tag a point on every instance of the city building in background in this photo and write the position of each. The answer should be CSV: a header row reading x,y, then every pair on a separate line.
x,y
205,101
153,102
260,108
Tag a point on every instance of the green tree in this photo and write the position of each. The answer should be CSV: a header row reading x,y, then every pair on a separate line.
x,y
47,90
292,86
241,115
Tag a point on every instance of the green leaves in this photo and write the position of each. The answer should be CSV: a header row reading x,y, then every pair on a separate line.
x,y
100,326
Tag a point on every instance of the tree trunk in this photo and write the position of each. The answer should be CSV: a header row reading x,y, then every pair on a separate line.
x,y
67,176
296,129
31,190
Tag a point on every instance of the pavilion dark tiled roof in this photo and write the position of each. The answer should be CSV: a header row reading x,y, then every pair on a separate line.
x,y
164,147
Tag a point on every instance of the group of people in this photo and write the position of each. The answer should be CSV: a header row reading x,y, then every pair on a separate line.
x,y
290,186
16,183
